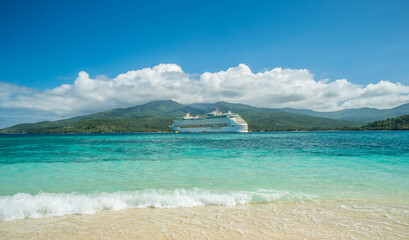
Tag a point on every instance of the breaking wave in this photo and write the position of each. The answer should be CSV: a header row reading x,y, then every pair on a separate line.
x,y
24,205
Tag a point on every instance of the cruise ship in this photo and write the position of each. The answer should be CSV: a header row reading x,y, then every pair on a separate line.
x,y
213,122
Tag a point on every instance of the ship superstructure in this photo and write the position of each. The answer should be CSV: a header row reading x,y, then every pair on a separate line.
x,y
215,121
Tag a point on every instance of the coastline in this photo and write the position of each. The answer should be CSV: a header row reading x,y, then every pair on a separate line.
x,y
170,132
332,219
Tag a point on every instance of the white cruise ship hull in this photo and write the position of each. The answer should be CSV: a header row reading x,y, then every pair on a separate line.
x,y
209,129
215,122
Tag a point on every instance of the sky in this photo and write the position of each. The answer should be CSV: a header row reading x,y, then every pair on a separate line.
x,y
60,59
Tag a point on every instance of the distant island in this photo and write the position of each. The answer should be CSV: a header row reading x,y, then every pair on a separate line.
x,y
156,116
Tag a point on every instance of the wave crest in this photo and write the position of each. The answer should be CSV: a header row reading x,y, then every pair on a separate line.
x,y
24,205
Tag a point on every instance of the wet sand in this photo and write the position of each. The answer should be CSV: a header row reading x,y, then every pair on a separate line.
x,y
285,220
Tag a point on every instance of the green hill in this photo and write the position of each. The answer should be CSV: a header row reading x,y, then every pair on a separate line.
x,y
267,119
158,115
358,114
398,123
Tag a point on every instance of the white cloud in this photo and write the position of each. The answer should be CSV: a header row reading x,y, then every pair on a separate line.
x,y
272,88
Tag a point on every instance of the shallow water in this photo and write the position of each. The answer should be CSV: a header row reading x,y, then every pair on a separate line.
x,y
55,175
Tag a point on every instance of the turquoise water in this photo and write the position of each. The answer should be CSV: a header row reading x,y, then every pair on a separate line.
x,y
46,175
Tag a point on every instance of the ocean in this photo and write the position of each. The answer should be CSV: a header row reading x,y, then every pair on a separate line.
x,y
356,181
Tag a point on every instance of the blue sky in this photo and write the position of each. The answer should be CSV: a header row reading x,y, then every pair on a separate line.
x,y
45,44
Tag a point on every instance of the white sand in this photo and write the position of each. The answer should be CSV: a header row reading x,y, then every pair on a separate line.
x,y
308,220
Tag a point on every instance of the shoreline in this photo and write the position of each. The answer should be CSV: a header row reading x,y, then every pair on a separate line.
x,y
130,133
279,220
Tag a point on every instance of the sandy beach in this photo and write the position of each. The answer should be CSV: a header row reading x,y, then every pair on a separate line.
x,y
308,220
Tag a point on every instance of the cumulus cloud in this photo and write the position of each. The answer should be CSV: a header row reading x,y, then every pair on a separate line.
x,y
274,88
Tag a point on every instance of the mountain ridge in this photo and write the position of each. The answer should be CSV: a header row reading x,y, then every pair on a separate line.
x,y
356,114
158,115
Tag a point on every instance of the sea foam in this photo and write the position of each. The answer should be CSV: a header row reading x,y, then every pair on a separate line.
x,y
24,205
